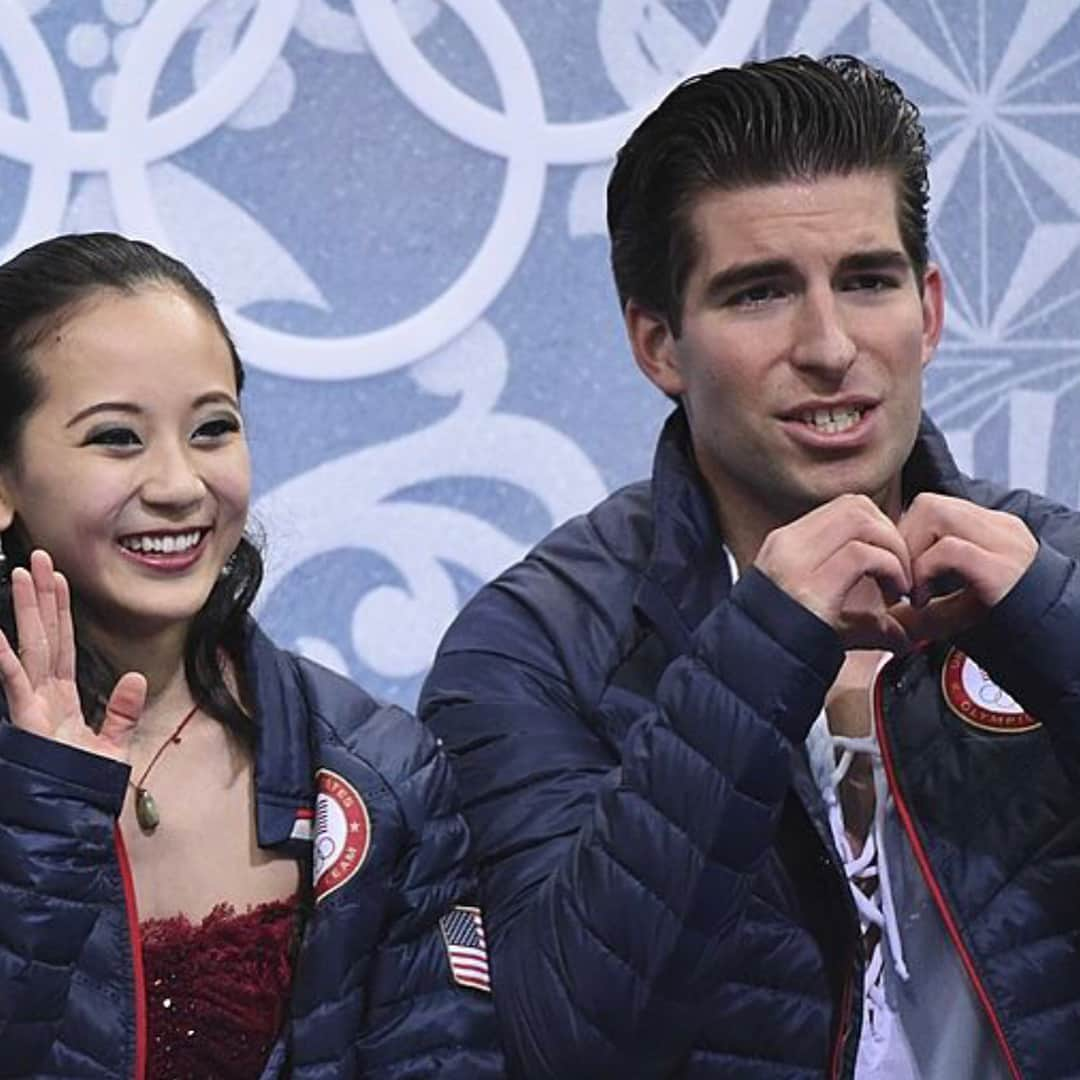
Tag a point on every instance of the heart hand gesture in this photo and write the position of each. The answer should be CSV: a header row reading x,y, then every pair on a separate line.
x,y
873,581
984,552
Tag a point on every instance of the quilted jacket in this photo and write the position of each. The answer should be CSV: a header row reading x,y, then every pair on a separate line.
x,y
662,893
372,994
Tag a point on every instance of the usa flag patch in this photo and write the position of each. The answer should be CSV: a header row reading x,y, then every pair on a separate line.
x,y
463,935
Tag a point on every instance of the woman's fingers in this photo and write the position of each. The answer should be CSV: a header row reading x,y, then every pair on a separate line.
x,y
124,709
33,648
17,688
65,630
43,576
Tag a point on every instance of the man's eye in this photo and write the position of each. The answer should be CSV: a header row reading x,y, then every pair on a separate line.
x,y
217,428
756,295
114,436
870,283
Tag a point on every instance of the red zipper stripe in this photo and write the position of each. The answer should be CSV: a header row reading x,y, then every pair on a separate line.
x,y
844,1029
931,882
136,955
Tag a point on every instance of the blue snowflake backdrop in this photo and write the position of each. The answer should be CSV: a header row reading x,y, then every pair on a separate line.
x,y
401,206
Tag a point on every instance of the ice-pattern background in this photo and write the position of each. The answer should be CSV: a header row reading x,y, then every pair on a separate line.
x,y
400,205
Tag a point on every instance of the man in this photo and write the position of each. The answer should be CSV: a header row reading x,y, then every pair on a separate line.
x,y
706,850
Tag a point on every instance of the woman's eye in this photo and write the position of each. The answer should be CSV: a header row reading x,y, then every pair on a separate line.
x,y
115,436
217,428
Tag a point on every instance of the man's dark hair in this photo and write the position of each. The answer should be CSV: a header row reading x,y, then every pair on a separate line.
x,y
40,288
792,118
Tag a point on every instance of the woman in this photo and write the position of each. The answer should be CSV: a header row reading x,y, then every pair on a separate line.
x,y
217,859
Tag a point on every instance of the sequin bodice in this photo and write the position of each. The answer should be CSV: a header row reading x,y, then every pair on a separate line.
x,y
216,991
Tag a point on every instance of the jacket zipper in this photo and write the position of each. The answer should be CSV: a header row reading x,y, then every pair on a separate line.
x,y
923,860
135,936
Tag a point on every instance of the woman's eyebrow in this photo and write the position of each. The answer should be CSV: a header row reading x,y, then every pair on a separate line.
x,y
104,406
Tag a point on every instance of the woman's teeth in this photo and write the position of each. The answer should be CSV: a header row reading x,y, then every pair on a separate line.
x,y
832,421
162,545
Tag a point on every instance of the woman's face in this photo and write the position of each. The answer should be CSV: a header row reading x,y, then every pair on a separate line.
x,y
133,469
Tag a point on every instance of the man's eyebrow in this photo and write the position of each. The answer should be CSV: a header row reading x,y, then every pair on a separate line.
x,y
724,281
104,406
883,259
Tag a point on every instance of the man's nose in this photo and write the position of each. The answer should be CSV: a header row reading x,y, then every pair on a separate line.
x,y
823,342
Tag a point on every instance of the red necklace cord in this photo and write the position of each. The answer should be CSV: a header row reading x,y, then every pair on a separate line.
x,y
146,812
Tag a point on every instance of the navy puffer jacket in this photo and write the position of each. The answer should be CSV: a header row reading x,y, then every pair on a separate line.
x,y
372,995
662,891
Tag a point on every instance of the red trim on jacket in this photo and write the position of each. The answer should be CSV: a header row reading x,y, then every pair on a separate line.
x,y
136,954
843,1033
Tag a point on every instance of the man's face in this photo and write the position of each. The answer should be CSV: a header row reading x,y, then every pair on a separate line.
x,y
804,336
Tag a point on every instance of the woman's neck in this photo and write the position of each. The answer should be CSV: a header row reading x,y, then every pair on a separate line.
x,y
160,659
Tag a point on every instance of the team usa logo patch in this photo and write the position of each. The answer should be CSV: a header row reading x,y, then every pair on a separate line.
x,y
342,832
978,700
466,947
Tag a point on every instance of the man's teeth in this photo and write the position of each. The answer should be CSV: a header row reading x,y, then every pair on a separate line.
x,y
832,421
163,545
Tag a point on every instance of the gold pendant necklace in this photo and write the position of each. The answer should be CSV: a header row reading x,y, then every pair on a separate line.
x,y
146,810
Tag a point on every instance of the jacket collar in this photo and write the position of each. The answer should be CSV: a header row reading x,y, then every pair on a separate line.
x,y
284,792
930,466
687,572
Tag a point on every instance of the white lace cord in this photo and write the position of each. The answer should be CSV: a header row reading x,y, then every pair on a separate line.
x,y
883,916
892,924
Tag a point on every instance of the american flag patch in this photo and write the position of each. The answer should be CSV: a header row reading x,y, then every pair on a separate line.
x,y
463,935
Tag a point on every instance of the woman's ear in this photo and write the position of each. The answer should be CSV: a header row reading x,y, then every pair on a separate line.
x,y
7,505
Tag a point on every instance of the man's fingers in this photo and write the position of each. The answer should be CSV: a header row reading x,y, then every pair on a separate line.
x,y
826,529
876,630
859,560
941,618
987,575
820,558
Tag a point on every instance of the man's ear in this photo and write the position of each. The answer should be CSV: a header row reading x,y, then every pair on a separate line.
x,y
933,307
655,348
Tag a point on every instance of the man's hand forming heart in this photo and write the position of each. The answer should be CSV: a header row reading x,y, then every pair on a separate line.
x,y
876,584
981,553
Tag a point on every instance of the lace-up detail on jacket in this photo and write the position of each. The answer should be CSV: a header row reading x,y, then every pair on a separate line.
x,y
831,759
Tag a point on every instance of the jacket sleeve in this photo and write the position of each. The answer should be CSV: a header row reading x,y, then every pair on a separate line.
x,y
614,880
62,909
399,1013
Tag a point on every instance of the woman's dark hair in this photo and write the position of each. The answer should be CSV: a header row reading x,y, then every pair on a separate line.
x,y
41,288
792,118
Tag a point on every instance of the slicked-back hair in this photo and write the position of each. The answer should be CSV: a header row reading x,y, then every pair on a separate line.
x,y
40,289
788,119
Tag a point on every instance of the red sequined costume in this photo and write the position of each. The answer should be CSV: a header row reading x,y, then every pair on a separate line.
x,y
217,991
